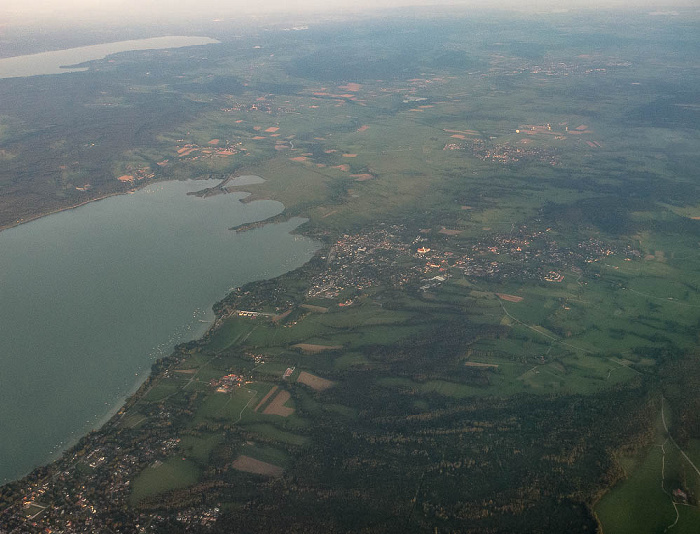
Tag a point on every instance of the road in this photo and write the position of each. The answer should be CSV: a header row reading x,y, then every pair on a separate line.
x,y
663,418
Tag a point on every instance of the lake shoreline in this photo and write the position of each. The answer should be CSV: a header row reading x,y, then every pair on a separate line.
x,y
135,391
221,186
75,206
77,59
113,418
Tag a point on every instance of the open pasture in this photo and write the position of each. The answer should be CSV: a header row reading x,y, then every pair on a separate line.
x,y
174,473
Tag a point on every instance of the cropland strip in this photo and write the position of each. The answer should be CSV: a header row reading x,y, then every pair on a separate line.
x,y
509,298
264,399
277,407
319,309
308,347
314,382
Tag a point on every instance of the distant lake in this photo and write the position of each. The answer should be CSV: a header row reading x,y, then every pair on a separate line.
x,y
92,296
52,62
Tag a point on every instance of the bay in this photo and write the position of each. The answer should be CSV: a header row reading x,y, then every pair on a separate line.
x,y
90,297
55,62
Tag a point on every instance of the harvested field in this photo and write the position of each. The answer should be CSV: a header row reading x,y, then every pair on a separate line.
x,y
264,399
251,465
446,231
344,167
314,382
362,177
213,142
352,87
277,407
126,178
509,298
477,364
271,129
319,309
308,347
299,158
465,132
279,317
363,128
349,155
258,137
458,136
186,371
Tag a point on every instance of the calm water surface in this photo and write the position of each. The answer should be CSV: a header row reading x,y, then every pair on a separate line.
x,y
52,62
92,296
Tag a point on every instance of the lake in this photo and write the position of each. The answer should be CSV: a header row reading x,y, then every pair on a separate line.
x,y
53,62
92,296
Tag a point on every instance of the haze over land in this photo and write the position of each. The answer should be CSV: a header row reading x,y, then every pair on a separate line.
x,y
124,11
499,333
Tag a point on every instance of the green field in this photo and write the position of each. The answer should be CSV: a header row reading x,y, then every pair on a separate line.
x,y
643,501
172,474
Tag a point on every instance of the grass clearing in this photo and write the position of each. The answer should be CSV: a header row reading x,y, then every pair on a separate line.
x,y
638,505
174,473
224,407
276,434
198,448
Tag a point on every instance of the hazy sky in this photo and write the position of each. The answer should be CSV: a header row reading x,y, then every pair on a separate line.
x,y
116,9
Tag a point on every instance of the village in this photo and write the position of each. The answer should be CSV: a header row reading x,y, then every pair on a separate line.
x,y
388,256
